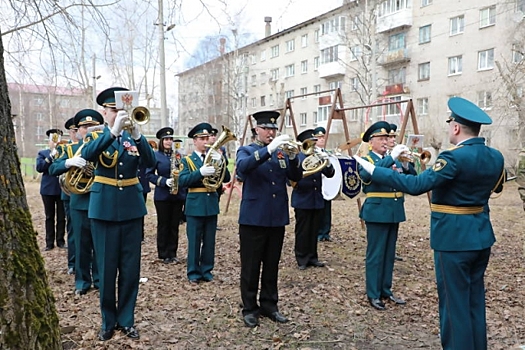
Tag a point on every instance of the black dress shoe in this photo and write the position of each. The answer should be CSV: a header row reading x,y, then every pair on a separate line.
x,y
80,291
316,263
194,281
395,300
398,258
130,332
167,261
250,320
71,271
302,267
48,249
376,303
276,316
106,334
63,246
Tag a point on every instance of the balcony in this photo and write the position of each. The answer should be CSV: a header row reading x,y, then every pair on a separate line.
x,y
331,70
394,57
396,89
399,19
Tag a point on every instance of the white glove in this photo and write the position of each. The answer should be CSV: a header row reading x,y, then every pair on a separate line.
x,y
135,132
397,150
121,120
367,166
279,140
53,152
215,155
169,182
207,170
76,161
323,155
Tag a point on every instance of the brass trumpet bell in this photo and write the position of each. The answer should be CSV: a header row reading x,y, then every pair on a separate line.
x,y
424,157
140,115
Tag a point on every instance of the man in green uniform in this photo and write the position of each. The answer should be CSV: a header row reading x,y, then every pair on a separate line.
x,y
460,230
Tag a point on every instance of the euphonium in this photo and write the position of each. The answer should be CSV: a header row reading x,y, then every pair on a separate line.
x,y
213,182
174,173
78,180
313,163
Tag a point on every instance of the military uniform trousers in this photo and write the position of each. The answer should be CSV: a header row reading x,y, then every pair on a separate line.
x,y
169,215
380,254
306,227
461,291
107,237
325,222
53,205
86,270
201,232
70,236
260,245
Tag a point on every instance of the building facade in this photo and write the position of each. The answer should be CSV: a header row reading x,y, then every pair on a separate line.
x,y
374,51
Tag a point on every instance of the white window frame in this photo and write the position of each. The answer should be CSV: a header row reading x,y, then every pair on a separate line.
x,y
425,3
354,84
263,78
290,45
314,117
39,101
254,102
457,25
388,7
486,59
263,55
316,35
303,91
323,112
39,117
39,130
425,34
304,118
289,70
263,100
271,99
304,40
517,53
485,101
288,121
275,74
487,16
317,88
316,63
253,58
254,80
304,66
355,23
422,106
455,65
520,6
275,51
423,71
288,94
356,52
330,54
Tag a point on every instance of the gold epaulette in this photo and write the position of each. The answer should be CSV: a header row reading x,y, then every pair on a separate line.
x,y
191,165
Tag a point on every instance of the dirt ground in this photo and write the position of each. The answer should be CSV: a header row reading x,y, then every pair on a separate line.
x,y
327,306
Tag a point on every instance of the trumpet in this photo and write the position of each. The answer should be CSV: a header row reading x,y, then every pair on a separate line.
x,y
139,115
424,157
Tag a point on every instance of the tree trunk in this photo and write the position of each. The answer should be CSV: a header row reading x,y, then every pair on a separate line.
x,y
28,318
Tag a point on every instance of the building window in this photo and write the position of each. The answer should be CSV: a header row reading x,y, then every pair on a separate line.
x,y
288,121
263,101
271,99
38,101
484,99
422,106
304,91
289,70
314,115
486,59
304,118
455,65
253,58
487,16
520,5
304,66
335,84
329,54
316,63
517,53
353,115
333,25
39,117
316,35
263,78
390,6
354,83
254,80
355,23
39,131
263,55
457,25
275,74
288,94
290,45
426,3
254,102
424,34
397,76
396,42
275,51
304,40
322,113
356,52
64,103
317,88
424,71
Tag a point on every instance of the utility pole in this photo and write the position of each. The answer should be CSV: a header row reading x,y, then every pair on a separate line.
x,y
163,103
94,82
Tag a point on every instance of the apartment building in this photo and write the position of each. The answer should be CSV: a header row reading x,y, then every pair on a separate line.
x,y
375,51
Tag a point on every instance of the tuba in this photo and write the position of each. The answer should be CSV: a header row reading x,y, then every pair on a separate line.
x,y
313,163
213,182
